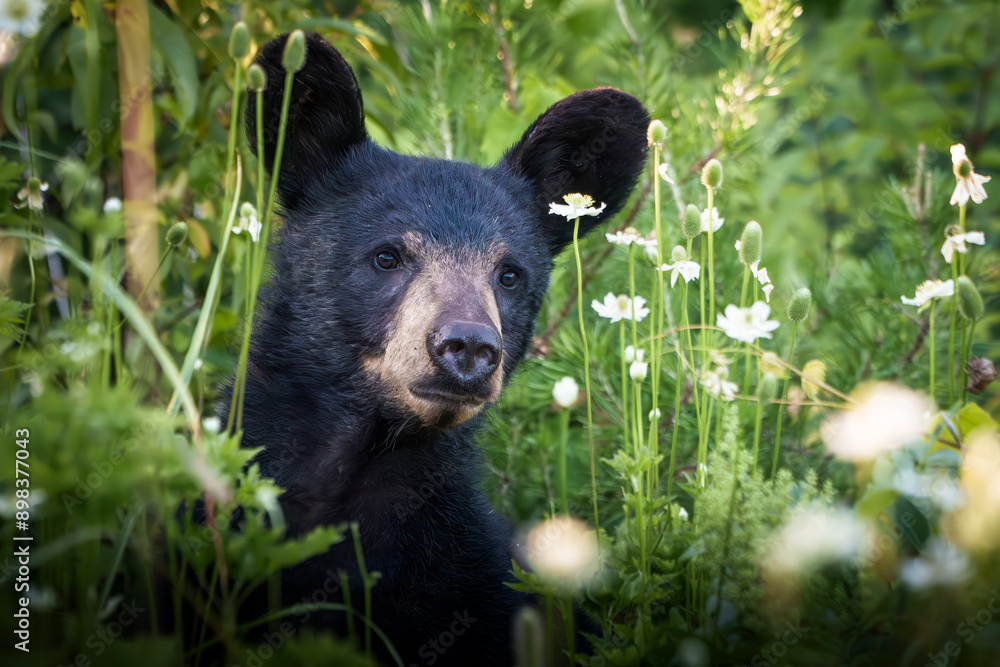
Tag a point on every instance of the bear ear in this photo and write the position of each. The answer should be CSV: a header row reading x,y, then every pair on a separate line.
x,y
592,143
325,117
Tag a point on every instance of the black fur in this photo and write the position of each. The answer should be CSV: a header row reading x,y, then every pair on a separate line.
x,y
341,450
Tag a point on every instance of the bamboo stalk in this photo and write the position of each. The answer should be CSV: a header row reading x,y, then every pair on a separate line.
x,y
138,156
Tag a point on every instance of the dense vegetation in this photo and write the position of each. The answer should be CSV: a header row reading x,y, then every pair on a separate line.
x,y
827,494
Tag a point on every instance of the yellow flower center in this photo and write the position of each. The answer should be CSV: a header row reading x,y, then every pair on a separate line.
x,y
578,200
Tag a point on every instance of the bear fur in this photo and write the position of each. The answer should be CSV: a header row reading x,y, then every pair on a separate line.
x,y
404,294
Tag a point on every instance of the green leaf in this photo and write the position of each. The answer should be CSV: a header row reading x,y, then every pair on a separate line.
x,y
875,501
911,523
169,40
11,320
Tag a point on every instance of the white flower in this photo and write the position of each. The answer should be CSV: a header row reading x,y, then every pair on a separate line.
x,y
625,238
956,243
113,205
714,219
682,514
685,268
654,414
883,418
767,292
21,17
638,370
718,386
747,324
938,488
941,564
970,184
759,274
620,307
576,205
31,194
930,289
664,171
814,538
563,551
631,355
248,221
565,392
211,424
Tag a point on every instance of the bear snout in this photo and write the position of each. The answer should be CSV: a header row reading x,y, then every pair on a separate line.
x,y
465,354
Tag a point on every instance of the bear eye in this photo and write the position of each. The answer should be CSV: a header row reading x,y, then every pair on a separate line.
x,y
509,279
387,261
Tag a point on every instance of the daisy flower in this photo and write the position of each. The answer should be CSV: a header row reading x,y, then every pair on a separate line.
x,y
928,290
718,386
970,184
22,17
31,194
626,237
713,219
686,269
956,243
617,308
747,324
577,205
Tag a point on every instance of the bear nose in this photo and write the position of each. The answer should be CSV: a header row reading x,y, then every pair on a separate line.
x,y
465,351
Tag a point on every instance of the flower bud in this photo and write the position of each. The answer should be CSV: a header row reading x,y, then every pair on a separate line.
x,y
767,388
651,254
239,41
256,78
691,224
970,303
638,370
177,234
630,354
798,307
981,373
750,243
814,371
656,134
529,638
711,175
678,254
295,52
565,392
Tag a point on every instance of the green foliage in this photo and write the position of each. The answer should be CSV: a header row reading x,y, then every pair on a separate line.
x,y
832,126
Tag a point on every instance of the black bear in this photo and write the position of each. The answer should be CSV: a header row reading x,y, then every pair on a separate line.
x,y
404,294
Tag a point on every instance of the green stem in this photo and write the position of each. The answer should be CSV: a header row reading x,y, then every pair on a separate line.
x,y
563,441
965,361
781,408
679,388
367,581
951,335
930,347
711,260
625,409
586,374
